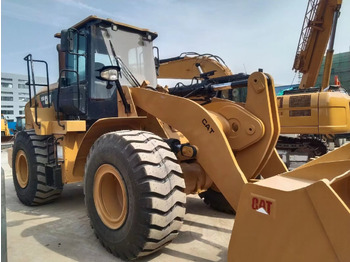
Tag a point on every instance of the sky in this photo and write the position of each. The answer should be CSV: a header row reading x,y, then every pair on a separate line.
x,y
246,34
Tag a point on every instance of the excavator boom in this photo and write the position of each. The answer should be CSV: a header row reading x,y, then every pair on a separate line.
x,y
316,30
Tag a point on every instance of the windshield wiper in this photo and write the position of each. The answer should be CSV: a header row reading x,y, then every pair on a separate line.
x,y
123,69
119,87
127,73
114,55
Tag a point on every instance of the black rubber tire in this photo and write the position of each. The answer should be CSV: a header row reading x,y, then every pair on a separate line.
x,y
217,201
37,192
155,192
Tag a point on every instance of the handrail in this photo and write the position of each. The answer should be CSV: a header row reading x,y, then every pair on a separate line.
x,y
31,82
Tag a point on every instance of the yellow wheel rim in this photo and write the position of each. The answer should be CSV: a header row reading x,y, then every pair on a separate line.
x,y
110,196
22,169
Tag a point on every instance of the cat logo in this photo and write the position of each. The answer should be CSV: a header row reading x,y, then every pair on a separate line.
x,y
263,205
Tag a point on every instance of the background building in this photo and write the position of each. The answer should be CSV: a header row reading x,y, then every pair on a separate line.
x,y
341,68
15,94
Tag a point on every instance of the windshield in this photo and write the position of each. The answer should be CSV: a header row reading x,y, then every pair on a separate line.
x,y
133,53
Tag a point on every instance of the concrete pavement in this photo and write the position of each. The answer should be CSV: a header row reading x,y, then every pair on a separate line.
x,y
60,231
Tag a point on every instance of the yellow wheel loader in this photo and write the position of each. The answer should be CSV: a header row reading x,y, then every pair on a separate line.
x,y
139,149
5,131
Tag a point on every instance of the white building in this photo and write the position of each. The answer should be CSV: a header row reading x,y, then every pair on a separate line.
x,y
15,94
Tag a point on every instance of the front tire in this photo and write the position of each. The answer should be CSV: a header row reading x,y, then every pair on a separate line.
x,y
217,201
134,193
30,155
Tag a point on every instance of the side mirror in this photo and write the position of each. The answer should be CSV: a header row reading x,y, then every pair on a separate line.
x,y
67,41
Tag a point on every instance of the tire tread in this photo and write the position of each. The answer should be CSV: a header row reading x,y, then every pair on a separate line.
x,y
159,176
38,145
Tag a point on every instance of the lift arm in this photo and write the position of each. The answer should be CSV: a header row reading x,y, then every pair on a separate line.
x,y
190,65
225,134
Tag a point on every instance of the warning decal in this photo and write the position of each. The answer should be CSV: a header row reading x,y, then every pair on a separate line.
x,y
306,112
300,101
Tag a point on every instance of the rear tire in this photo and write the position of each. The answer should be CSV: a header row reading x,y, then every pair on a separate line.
x,y
30,155
139,172
217,201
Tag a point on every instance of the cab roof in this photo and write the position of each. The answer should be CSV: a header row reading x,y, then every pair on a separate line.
x,y
93,18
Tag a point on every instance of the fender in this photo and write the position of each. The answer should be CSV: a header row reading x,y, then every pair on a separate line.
x,y
99,128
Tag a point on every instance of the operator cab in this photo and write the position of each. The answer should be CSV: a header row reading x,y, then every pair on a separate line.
x,y
97,57
20,123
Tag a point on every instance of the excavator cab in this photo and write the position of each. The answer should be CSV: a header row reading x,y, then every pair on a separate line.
x,y
95,48
20,123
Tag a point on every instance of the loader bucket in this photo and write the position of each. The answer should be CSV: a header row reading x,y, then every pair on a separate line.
x,y
301,215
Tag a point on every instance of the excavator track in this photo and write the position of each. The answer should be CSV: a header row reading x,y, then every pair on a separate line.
x,y
301,149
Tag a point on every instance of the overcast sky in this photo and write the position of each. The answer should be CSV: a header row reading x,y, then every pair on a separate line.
x,y
246,34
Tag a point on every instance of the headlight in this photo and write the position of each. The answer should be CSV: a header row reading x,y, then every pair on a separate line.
x,y
109,74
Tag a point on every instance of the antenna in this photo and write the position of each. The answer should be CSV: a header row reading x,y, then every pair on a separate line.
x,y
245,70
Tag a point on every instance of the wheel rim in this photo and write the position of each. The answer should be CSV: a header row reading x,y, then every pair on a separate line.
x,y
22,169
110,197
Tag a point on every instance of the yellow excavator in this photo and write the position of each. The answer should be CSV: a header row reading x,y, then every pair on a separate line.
x,y
139,149
314,112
